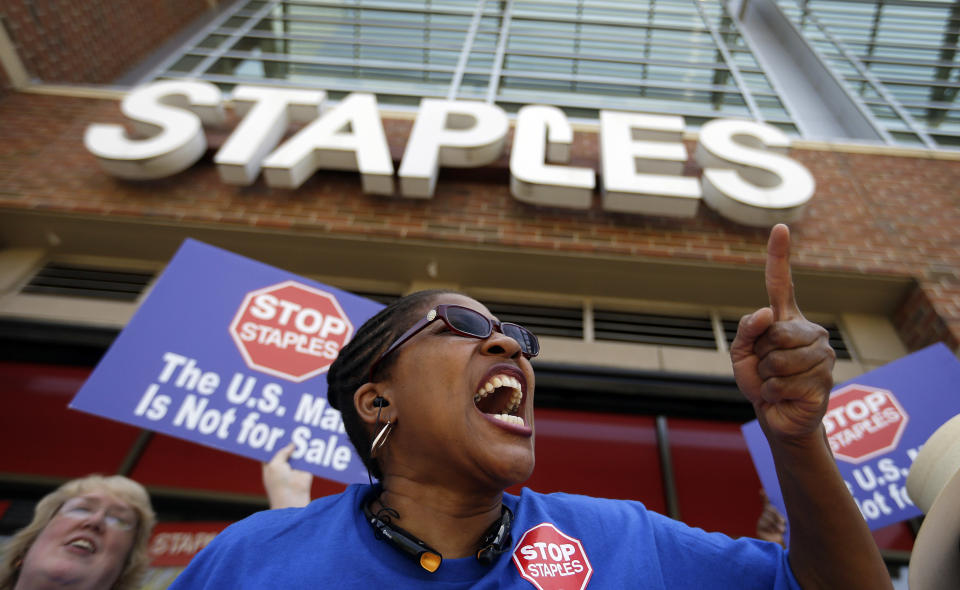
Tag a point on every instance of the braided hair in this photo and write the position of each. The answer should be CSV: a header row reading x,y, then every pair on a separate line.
x,y
351,369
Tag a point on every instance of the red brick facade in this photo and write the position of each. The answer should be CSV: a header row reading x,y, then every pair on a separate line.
x,y
871,215
93,41
4,82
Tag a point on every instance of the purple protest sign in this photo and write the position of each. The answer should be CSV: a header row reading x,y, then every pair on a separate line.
x,y
232,353
875,425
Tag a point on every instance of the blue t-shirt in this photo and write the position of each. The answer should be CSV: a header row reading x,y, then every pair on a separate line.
x,y
559,542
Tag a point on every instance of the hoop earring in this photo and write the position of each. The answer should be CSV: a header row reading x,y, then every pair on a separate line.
x,y
381,439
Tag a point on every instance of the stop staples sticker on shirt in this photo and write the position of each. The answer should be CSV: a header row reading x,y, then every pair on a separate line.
x,y
551,560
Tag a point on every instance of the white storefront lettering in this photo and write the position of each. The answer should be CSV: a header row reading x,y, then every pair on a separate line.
x,y
747,176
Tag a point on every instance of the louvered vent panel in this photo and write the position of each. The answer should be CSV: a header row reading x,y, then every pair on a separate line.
x,y
542,320
836,338
645,328
84,281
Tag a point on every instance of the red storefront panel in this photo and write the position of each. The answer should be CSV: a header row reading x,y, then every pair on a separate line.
x,y
172,462
176,463
42,436
604,455
898,537
717,485
597,454
173,544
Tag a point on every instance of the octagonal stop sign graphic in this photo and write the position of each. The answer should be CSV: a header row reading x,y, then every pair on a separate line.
x,y
862,422
290,330
551,560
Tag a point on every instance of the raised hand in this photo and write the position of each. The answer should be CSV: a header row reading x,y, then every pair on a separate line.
x,y
771,526
783,363
286,487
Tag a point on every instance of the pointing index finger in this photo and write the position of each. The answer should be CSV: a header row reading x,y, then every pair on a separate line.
x,y
778,278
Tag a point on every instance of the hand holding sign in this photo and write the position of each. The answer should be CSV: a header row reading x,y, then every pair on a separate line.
x,y
782,362
286,487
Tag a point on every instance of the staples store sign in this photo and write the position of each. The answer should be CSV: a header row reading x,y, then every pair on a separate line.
x,y
747,176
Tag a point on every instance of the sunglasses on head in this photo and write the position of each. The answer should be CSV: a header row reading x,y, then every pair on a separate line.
x,y
466,322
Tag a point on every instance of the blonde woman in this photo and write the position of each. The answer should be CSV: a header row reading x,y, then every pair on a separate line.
x,y
89,534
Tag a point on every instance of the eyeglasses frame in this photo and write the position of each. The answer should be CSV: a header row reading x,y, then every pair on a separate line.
x,y
439,312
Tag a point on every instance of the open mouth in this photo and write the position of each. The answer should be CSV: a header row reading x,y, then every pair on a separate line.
x,y
500,397
85,545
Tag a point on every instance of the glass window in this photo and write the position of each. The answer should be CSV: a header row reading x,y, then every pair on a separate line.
x,y
656,55
907,138
212,41
771,107
235,22
789,128
908,47
952,141
186,63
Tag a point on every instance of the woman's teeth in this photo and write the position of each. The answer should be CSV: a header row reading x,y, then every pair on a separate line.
x,y
509,419
82,544
516,394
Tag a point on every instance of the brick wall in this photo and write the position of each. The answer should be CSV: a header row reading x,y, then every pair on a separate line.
x,y
91,41
918,321
872,214
5,85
